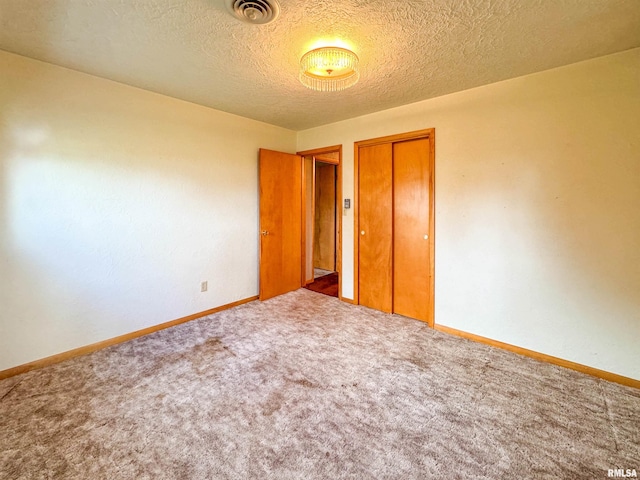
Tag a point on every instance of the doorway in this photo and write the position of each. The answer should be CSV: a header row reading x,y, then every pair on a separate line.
x,y
322,220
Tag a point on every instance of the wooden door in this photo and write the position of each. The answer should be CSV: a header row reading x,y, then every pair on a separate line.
x,y
394,239
411,196
280,223
375,223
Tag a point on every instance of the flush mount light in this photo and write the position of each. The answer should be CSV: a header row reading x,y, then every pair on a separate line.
x,y
329,69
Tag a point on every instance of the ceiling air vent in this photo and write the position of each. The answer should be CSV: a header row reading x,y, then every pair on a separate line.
x,y
254,11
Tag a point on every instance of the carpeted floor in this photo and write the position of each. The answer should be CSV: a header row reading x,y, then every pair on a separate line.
x,y
304,386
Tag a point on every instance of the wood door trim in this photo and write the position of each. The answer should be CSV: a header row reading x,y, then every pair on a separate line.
x,y
432,227
320,151
313,219
305,281
414,135
331,161
356,221
399,137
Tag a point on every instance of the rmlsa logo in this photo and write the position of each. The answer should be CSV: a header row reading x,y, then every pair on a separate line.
x,y
622,473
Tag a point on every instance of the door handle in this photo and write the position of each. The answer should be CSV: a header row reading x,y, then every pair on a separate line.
x,y
361,232
265,232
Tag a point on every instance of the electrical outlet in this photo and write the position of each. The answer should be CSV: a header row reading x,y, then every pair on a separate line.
x,y
204,286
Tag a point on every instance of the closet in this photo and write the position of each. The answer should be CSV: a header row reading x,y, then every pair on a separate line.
x,y
394,221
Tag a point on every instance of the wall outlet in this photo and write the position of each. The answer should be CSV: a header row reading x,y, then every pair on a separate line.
x,y
204,286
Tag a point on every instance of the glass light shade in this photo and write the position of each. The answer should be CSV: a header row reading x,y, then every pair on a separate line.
x,y
329,69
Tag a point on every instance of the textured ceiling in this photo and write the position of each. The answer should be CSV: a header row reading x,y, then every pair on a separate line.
x,y
409,50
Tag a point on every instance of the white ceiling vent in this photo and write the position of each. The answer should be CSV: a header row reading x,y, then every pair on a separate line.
x,y
254,11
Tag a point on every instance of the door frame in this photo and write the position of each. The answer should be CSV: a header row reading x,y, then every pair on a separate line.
x,y
318,152
414,135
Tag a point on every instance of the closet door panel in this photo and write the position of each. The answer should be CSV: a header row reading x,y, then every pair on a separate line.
x,y
411,228
375,227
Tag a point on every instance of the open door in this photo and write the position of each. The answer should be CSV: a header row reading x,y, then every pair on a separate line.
x,y
280,223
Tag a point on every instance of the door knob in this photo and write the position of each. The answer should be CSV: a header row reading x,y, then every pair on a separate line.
x,y
265,232
361,232
426,237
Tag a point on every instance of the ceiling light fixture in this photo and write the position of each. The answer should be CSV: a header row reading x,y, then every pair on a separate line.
x,y
329,69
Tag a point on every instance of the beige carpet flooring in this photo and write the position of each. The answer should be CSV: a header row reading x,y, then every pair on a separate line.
x,y
306,387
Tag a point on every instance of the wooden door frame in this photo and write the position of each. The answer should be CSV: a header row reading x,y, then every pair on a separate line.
x,y
305,280
332,164
317,153
415,135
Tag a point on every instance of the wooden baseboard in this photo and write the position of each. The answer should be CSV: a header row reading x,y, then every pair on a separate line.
x,y
612,377
76,352
348,300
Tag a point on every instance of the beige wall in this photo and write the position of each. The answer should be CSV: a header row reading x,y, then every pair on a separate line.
x,y
537,201
115,203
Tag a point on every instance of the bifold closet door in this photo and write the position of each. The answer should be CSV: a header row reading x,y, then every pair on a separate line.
x,y
411,267
375,221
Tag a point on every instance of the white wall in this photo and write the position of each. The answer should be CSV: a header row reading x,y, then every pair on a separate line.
x,y
537,208
115,203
